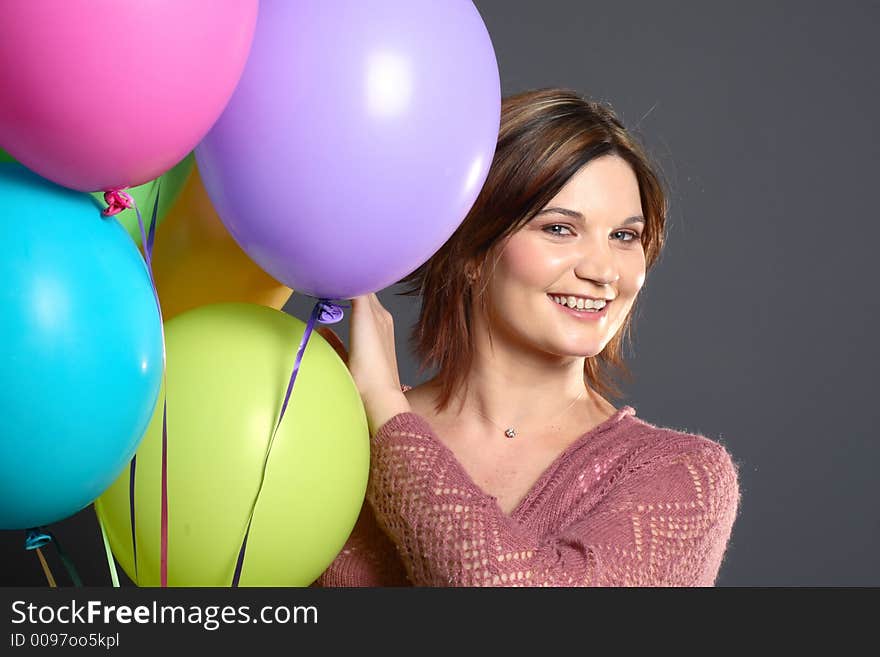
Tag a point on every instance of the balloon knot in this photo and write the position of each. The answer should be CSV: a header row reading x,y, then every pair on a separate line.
x,y
117,201
36,537
330,312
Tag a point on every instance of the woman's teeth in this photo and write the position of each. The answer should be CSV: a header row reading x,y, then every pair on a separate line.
x,y
578,303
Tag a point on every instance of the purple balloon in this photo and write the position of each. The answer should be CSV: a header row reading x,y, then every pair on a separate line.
x,y
358,138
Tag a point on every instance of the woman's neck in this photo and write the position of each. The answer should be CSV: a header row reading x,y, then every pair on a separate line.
x,y
526,394
501,388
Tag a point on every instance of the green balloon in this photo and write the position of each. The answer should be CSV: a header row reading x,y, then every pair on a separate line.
x,y
172,182
228,366
145,195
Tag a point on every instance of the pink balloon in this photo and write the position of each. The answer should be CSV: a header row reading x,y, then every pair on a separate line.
x,y
108,94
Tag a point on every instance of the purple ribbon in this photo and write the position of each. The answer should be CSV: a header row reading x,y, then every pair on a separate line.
x,y
326,311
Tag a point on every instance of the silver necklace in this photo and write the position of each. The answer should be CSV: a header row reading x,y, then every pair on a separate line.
x,y
510,432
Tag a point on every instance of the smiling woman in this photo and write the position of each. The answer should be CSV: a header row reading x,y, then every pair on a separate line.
x,y
510,467
538,179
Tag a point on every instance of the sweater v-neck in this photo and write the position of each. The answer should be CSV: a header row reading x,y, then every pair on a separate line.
x,y
519,511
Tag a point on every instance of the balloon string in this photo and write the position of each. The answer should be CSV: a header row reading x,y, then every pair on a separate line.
x,y
46,570
131,479
117,201
325,311
37,537
34,539
111,564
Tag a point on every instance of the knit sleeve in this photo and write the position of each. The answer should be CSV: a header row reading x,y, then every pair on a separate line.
x,y
368,558
664,520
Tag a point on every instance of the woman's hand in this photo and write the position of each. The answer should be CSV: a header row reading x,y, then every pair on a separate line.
x,y
372,361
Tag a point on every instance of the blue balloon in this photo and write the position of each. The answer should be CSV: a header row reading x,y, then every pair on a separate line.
x,y
81,350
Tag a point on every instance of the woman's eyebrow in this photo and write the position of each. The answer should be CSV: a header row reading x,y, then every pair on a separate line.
x,y
635,219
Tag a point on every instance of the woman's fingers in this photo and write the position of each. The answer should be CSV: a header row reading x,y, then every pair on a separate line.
x,y
373,357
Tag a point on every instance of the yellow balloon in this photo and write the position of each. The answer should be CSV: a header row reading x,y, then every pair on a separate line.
x,y
228,366
196,262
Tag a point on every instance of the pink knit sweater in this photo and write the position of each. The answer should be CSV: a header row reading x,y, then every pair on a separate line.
x,y
626,504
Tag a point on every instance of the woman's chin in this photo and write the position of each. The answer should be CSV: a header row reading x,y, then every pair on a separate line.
x,y
574,351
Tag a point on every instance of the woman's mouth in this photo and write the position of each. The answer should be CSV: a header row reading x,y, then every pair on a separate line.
x,y
579,307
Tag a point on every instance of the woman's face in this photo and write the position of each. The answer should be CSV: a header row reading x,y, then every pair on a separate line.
x,y
586,242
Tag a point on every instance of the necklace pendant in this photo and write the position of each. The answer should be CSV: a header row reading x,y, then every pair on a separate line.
x,y
510,433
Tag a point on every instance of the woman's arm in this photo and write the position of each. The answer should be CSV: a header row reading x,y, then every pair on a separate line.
x,y
665,521
373,361
368,557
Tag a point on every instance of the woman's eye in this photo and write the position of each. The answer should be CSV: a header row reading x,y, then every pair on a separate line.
x,y
551,227
633,237
556,230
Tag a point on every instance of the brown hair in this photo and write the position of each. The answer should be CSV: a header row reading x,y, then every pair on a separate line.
x,y
545,137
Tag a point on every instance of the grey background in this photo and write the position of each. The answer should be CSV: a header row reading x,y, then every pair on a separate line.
x,y
755,327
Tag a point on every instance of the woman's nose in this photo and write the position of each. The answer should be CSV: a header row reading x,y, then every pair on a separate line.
x,y
597,262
